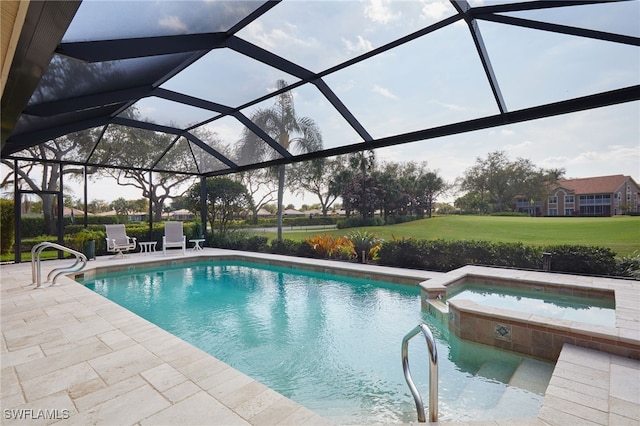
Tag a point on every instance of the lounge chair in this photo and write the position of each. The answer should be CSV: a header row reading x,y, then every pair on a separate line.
x,y
117,240
173,237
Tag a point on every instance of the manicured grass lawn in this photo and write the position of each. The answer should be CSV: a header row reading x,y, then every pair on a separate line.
x,y
621,234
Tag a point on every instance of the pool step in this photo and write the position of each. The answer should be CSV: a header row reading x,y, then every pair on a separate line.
x,y
532,375
510,401
483,394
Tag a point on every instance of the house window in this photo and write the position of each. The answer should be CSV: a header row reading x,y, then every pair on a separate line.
x,y
568,212
595,205
553,200
568,199
553,212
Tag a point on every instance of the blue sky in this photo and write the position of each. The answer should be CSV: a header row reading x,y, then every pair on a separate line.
x,y
431,81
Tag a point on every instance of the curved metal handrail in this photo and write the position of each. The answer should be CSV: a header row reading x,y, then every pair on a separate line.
x,y
36,273
433,373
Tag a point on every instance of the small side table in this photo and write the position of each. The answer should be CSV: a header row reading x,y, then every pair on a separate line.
x,y
196,243
147,246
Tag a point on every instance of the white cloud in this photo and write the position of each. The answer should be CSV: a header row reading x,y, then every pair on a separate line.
x,y
277,37
362,45
518,147
501,132
434,10
173,23
614,159
379,11
452,107
383,91
613,154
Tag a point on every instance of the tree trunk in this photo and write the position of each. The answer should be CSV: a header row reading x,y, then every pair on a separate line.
x,y
49,212
280,199
157,211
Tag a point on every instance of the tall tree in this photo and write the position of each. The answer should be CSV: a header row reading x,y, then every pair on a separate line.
x,y
261,187
226,199
497,181
429,186
46,176
130,146
395,196
294,133
317,177
121,207
143,148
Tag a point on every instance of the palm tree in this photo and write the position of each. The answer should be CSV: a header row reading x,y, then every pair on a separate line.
x,y
293,133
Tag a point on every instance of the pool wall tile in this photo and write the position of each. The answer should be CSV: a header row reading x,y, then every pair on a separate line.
x,y
536,335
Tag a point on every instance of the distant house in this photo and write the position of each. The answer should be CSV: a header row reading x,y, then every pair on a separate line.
x,y
138,216
132,216
593,196
312,212
292,213
182,214
70,211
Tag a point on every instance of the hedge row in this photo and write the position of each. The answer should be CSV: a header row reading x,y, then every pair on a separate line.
x,y
32,226
140,231
440,255
444,256
289,221
6,225
436,255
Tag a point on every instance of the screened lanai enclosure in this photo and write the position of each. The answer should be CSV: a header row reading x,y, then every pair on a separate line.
x,y
174,86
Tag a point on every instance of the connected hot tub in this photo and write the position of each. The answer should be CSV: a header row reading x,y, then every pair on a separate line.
x,y
534,313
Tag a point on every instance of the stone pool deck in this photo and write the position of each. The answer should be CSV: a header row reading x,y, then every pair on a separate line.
x,y
69,356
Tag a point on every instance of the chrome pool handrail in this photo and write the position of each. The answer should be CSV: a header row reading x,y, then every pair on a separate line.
x,y
36,274
433,373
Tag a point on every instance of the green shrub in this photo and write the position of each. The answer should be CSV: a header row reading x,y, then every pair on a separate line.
x,y
397,219
440,255
289,221
32,226
238,240
405,253
86,235
292,248
357,221
517,255
365,244
6,225
629,266
582,259
28,243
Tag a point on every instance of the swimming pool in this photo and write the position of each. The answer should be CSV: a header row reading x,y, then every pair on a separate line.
x,y
327,342
597,311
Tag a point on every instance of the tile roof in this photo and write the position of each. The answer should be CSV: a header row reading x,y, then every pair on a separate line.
x,y
594,185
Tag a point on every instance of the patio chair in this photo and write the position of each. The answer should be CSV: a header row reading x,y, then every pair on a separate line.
x,y
173,237
117,240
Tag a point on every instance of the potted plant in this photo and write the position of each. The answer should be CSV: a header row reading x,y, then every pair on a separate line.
x,y
85,239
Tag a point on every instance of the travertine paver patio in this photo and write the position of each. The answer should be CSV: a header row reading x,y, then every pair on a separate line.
x,y
69,356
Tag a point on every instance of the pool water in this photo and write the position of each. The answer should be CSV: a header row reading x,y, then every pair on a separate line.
x,y
570,308
330,343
